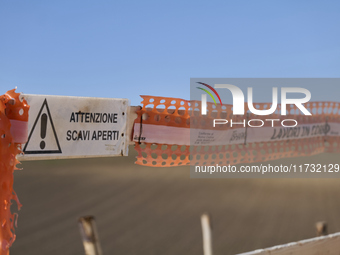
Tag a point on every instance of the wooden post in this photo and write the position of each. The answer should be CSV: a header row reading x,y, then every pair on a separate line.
x,y
207,234
321,228
89,235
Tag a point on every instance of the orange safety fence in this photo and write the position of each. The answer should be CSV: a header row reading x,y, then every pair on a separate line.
x,y
13,121
161,112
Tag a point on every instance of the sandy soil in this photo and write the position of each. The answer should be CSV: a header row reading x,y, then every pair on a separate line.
x,y
141,210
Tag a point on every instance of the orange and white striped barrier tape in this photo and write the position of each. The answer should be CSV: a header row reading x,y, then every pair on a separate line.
x,y
166,128
13,132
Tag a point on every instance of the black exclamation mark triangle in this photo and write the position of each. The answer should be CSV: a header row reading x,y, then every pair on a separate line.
x,y
44,118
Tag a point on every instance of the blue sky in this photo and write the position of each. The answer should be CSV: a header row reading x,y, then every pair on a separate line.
x,y
124,49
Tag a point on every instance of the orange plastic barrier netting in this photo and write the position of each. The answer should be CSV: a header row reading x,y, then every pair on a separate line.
x,y
181,113
11,108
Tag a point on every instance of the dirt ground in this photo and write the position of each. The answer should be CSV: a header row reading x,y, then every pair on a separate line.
x,y
142,210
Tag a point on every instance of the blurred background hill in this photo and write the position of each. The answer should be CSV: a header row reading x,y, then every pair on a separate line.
x,y
142,210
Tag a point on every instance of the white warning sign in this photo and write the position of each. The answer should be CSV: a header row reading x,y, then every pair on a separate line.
x,y
75,127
